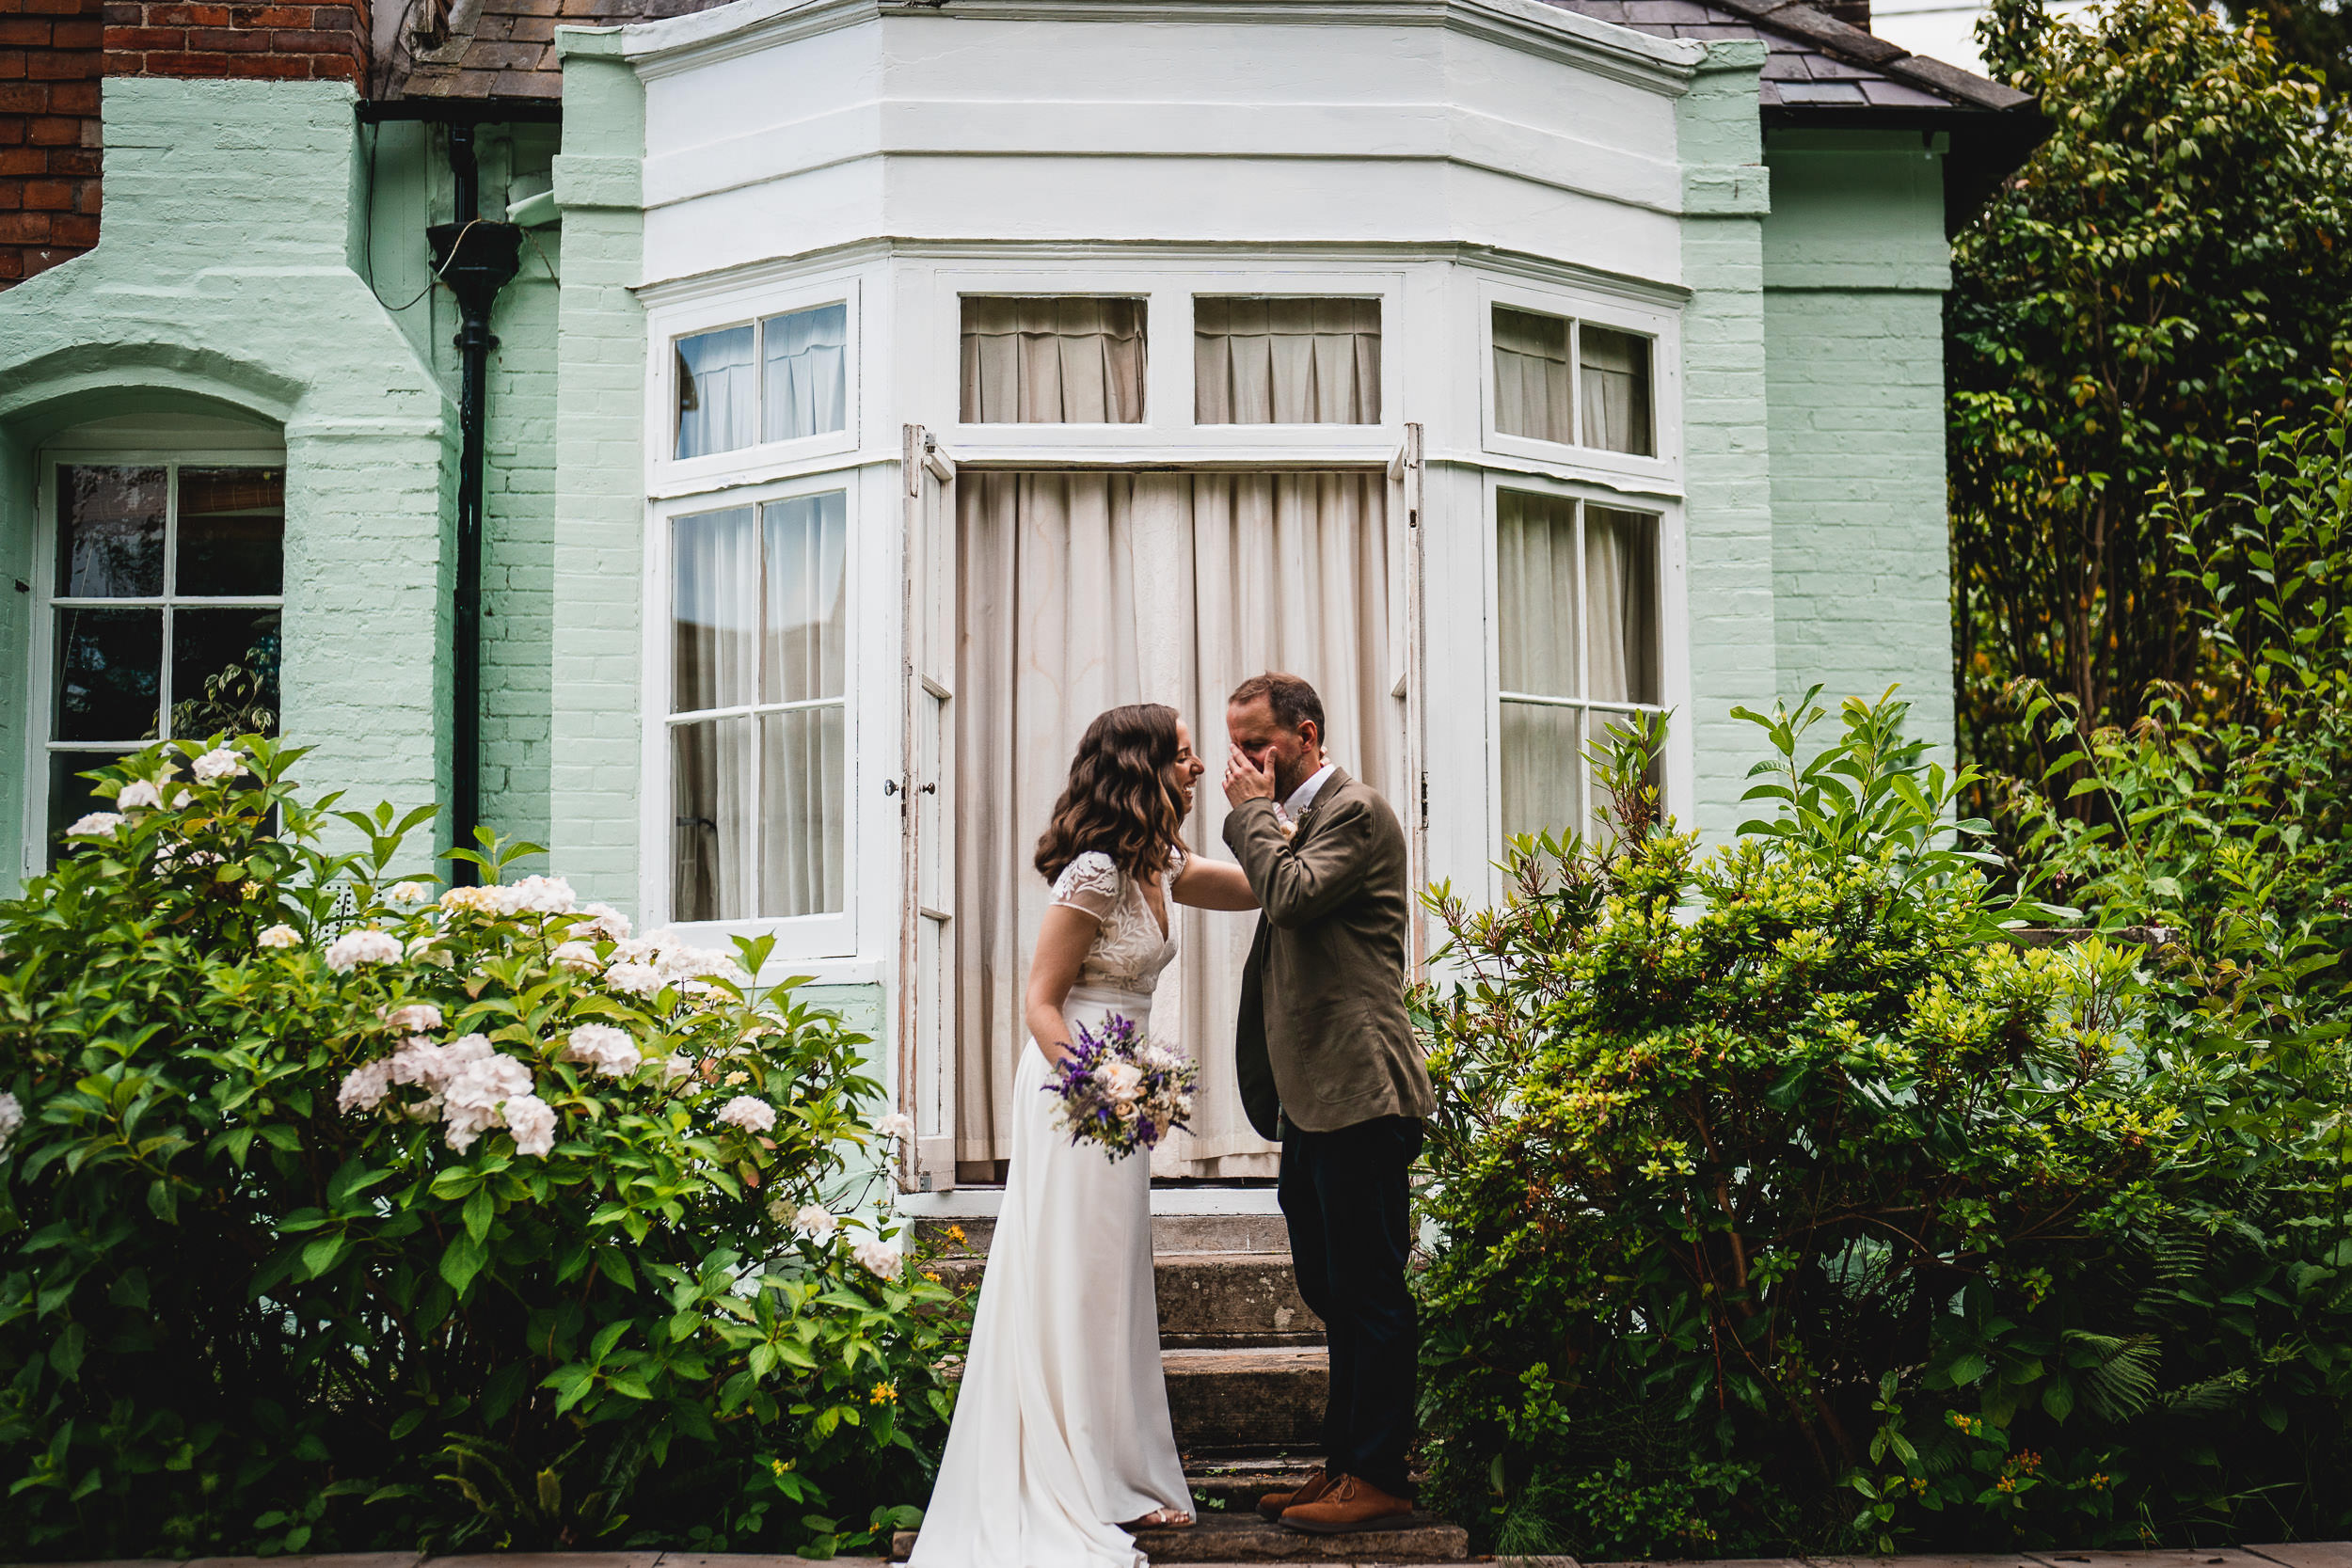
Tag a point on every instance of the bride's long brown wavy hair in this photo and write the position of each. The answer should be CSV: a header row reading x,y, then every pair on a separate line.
x,y
1118,800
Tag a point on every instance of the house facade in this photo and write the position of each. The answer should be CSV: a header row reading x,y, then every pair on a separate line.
x,y
861,395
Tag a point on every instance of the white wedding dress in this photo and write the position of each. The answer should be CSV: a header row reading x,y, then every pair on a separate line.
x,y
1061,1426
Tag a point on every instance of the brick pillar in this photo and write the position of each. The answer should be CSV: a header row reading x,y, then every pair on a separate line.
x,y
49,69
237,38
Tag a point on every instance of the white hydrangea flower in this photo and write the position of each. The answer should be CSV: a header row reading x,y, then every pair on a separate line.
x,y
12,1118
139,795
353,948
576,956
878,1256
473,1102
408,892
607,921
218,764
98,823
531,1120
280,936
677,1065
364,1088
633,979
536,896
414,1019
608,1050
752,1115
430,1066
469,900
816,1223
897,1124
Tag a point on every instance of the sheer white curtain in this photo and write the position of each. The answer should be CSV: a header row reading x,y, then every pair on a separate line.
x,y
1543,768
1080,592
1053,360
1615,367
1532,383
803,663
1285,361
714,664
804,356
718,392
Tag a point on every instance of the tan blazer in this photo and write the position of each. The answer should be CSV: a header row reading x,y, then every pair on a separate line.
x,y
1322,1041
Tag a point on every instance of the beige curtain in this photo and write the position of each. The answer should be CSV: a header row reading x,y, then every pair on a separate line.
x,y
1532,379
1052,361
1080,592
1285,361
1543,766
1621,589
1615,368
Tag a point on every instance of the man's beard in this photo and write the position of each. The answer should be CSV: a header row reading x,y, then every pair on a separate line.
x,y
1290,774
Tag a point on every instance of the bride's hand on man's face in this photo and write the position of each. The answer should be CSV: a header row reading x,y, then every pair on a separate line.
x,y
1244,780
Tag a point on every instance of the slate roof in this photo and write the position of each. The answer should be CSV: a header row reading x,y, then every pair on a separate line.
x,y
505,50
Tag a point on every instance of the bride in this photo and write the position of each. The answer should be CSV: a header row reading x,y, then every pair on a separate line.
x,y
1061,1441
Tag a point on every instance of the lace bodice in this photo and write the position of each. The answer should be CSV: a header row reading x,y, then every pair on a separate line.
x,y
1128,952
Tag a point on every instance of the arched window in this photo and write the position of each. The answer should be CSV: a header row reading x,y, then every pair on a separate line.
x,y
161,583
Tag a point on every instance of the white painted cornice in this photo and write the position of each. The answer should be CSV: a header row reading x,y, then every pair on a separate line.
x,y
1663,65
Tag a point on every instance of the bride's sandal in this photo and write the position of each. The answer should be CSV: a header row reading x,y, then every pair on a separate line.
x,y
1162,1518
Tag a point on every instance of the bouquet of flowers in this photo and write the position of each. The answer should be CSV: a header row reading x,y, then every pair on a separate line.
x,y
1121,1090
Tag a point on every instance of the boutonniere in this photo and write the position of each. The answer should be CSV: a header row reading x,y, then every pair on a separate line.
x,y
1282,820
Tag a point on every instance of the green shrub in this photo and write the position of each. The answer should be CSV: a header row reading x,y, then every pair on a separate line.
x,y
1780,1205
345,1216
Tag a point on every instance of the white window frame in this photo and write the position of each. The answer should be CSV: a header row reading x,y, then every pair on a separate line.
x,y
1663,330
1680,780
1168,437
833,933
747,308
40,666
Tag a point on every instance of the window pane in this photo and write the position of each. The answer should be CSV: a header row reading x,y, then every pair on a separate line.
x,y
806,642
224,672
801,808
807,388
70,798
1285,361
1621,604
1535,580
714,610
108,673
111,533
1052,361
716,393
1531,375
711,786
1617,390
232,531
1543,769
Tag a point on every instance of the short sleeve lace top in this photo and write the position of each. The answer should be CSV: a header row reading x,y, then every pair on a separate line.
x,y
1128,952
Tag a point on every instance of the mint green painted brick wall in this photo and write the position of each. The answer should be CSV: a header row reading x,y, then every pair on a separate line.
x,y
599,555
1855,263
861,1008
1728,510
225,284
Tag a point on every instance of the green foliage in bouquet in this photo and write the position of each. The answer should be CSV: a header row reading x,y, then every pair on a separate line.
x,y
337,1215
1780,1204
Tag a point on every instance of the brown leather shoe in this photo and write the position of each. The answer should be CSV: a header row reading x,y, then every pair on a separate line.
x,y
1270,1507
1350,1505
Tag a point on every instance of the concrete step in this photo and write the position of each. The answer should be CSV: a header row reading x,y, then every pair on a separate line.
x,y
1223,1484
1169,1234
1246,1538
1250,1399
1207,1299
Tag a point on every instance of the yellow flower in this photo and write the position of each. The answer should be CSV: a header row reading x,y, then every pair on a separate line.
x,y
780,1466
955,1233
931,1276
884,1393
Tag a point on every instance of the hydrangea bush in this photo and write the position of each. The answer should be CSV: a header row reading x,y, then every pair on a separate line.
x,y
341,1211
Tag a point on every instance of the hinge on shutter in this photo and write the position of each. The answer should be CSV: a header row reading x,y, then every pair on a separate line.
x,y
1425,795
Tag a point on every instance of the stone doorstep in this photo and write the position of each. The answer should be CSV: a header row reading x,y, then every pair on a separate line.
x,y
1206,1299
1252,1398
1169,1234
1246,1538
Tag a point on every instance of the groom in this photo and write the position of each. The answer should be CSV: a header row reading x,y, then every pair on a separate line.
x,y
1329,1067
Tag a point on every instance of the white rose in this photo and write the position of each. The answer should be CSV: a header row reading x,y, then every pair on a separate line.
x,y
752,1115
408,892
218,764
98,823
897,1124
813,1221
139,795
280,936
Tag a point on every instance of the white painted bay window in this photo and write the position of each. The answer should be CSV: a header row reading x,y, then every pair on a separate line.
x,y
1569,381
777,379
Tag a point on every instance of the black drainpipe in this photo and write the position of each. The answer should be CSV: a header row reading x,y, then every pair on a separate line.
x,y
475,259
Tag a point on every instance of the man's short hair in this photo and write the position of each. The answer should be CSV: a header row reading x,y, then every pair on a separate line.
x,y
1293,700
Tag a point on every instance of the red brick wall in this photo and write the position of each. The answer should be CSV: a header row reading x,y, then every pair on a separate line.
x,y
53,53
48,68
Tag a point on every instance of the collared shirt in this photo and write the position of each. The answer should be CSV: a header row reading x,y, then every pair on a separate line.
x,y
1290,810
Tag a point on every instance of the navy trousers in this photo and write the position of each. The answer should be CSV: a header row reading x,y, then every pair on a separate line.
x,y
1345,1196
